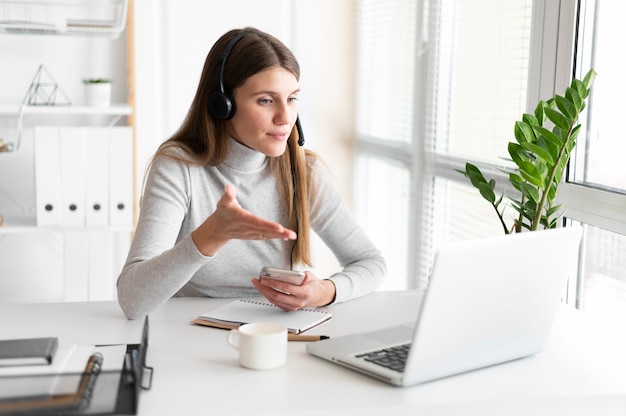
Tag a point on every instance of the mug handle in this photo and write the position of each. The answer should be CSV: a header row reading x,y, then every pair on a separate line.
x,y
233,338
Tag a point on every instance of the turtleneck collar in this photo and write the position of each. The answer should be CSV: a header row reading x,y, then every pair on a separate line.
x,y
243,158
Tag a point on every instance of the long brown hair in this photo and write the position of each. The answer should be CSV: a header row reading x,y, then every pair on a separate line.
x,y
205,138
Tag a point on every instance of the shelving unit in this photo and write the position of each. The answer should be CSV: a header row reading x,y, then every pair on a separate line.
x,y
76,261
64,17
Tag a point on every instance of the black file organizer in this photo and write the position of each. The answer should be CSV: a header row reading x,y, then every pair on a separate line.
x,y
100,392
136,375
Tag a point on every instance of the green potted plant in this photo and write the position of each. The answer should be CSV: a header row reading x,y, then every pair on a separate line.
x,y
97,92
540,156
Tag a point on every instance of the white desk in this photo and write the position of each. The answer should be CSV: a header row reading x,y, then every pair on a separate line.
x,y
582,372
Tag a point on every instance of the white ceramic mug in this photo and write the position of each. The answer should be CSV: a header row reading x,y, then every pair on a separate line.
x,y
261,346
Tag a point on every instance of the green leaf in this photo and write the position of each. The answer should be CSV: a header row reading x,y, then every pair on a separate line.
x,y
475,175
523,132
548,135
516,181
589,78
530,192
549,146
553,210
573,137
540,114
558,173
558,119
515,178
487,192
499,201
539,152
531,174
580,87
573,95
517,152
530,119
567,107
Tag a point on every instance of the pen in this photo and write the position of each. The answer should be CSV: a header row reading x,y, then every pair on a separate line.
x,y
297,337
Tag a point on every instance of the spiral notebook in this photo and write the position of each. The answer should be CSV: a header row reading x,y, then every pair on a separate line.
x,y
244,311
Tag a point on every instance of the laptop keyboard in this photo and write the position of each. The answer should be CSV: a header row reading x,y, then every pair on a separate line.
x,y
393,358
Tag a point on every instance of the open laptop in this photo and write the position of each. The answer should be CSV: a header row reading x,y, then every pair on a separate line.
x,y
488,301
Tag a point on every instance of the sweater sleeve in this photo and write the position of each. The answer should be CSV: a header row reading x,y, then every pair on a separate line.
x,y
160,261
363,266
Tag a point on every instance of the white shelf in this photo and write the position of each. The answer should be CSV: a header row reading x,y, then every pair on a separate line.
x,y
18,225
63,17
113,110
58,112
27,225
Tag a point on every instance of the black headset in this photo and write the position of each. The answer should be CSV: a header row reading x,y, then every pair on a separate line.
x,y
221,102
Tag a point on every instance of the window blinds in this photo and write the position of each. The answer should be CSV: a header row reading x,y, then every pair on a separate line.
x,y
386,69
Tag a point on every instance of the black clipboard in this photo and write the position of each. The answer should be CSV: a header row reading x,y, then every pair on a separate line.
x,y
136,375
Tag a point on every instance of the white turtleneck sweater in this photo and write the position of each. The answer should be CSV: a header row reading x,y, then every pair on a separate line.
x,y
163,261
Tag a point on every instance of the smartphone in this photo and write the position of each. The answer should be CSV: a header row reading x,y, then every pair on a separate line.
x,y
290,276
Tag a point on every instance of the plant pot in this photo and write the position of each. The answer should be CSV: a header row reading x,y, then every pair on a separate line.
x,y
98,94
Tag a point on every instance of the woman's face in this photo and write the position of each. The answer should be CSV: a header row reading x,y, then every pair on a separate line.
x,y
266,110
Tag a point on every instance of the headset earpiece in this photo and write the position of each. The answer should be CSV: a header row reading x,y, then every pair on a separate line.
x,y
300,133
221,103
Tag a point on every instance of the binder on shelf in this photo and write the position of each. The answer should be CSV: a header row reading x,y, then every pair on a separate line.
x,y
72,145
76,267
47,176
96,176
101,275
121,176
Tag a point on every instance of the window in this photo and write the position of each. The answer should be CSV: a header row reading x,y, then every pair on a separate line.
x,y
442,82
386,129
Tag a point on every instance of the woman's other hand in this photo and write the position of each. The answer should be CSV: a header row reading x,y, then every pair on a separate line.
x,y
312,292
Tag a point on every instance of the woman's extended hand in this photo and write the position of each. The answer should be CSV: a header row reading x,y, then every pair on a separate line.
x,y
230,221
312,292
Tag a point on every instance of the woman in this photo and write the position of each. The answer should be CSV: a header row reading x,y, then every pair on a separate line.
x,y
232,191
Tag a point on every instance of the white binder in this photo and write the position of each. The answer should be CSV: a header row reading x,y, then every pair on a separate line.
x,y
72,145
76,265
96,141
47,176
121,177
101,284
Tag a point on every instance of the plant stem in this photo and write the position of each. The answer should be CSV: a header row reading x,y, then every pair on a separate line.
x,y
544,195
506,231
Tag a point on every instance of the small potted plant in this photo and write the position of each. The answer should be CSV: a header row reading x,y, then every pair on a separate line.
x,y
98,92
540,155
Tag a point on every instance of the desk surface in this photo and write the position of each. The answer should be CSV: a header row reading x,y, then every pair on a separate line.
x,y
582,371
